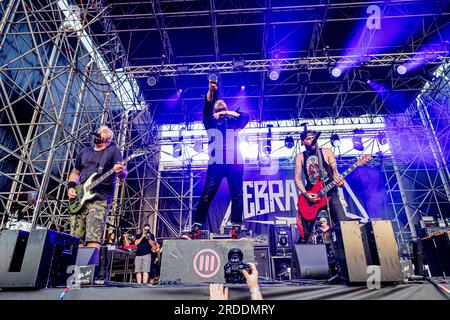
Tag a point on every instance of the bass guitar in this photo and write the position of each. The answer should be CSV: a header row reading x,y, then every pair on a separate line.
x,y
309,210
84,190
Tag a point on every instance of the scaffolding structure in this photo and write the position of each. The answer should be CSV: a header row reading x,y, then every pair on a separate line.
x,y
64,71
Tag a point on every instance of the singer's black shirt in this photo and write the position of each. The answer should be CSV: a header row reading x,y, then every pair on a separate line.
x,y
87,162
226,123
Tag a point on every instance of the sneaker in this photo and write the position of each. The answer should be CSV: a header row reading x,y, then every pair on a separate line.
x,y
236,232
193,234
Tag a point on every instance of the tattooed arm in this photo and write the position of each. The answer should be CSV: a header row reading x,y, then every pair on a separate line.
x,y
331,159
298,179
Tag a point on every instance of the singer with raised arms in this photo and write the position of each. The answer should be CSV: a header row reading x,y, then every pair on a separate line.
x,y
89,222
309,163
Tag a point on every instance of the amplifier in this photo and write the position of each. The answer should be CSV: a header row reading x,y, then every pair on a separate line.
x,y
280,240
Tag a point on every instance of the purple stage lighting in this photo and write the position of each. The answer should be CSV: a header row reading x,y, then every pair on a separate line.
x,y
401,69
336,72
274,75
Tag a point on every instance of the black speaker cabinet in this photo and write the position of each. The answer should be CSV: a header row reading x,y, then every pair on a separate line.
x,y
280,240
262,261
281,267
35,259
437,254
381,249
310,261
348,249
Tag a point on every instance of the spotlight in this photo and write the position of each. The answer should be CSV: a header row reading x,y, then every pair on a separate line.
x,y
198,145
213,77
289,142
335,72
238,64
357,140
365,76
382,138
267,147
180,90
177,150
265,160
303,78
401,69
274,75
242,87
335,141
151,81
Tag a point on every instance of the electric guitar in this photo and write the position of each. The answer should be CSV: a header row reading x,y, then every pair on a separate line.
x,y
84,190
307,209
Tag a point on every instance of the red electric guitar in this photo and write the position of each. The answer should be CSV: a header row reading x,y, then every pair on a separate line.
x,y
307,209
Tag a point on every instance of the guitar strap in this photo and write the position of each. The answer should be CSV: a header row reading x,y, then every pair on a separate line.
x,y
322,178
101,164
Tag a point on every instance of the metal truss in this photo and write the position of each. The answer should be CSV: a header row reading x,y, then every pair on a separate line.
x,y
54,89
57,83
304,63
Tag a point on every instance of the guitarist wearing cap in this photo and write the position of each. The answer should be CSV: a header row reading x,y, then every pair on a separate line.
x,y
307,163
89,222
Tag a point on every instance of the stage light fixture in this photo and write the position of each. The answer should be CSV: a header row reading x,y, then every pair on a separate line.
x,y
289,142
198,145
265,160
382,138
177,150
357,140
242,87
238,64
151,81
365,76
267,146
213,77
335,72
401,69
335,141
274,75
303,78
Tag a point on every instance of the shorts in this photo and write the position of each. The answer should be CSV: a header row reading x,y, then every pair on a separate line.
x,y
142,263
89,225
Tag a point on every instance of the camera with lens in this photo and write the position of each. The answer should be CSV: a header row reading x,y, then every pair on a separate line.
x,y
233,269
148,235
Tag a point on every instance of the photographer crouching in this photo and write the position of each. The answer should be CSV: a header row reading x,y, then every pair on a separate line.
x,y
144,243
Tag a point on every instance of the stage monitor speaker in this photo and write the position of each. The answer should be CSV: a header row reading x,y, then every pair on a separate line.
x,y
282,268
262,262
437,252
381,249
348,249
310,261
280,240
36,259
199,261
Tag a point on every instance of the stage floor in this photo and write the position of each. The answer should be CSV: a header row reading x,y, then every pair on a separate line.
x,y
417,290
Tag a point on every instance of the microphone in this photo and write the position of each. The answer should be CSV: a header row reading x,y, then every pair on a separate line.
x,y
95,134
316,138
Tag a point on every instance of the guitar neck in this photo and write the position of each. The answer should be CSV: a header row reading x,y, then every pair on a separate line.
x,y
343,175
106,175
102,178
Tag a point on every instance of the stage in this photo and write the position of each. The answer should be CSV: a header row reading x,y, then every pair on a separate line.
x,y
417,290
